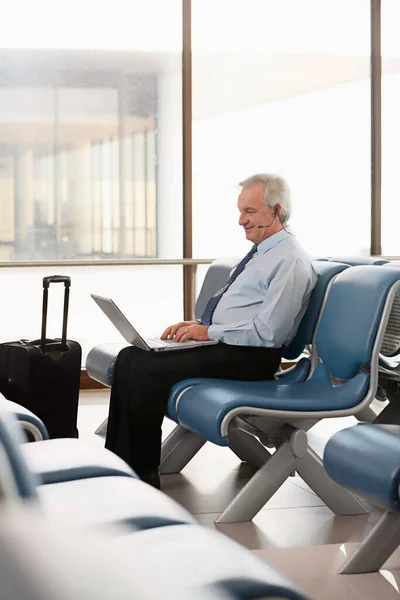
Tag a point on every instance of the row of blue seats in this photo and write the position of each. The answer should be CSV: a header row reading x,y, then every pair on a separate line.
x,y
349,337
356,311
363,458
345,325
67,532
366,458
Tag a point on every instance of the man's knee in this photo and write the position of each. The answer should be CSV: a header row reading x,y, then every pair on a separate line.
x,y
127,356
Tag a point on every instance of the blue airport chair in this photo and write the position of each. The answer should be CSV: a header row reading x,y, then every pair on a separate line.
x,y
389,368
389,363
181,445
95,501
61,459
185,562
54,461
17,484
214,564
199,557
366,459
349,337
389,360
304,337
33,427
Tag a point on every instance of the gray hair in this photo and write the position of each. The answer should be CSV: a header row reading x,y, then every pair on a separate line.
x,y
276,191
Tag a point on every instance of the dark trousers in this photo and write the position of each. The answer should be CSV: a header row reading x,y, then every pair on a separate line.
x,y
142,383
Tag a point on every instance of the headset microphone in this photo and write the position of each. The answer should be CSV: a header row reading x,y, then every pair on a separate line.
x,y
276,214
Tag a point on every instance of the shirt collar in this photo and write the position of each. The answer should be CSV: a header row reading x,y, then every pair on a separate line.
x,y
271,241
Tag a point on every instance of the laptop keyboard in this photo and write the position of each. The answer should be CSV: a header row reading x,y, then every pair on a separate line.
x,y
158,342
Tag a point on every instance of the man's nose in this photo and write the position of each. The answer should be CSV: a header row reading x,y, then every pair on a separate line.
x,y
242,219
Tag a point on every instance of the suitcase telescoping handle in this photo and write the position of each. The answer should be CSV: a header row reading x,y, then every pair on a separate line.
x,y
46,283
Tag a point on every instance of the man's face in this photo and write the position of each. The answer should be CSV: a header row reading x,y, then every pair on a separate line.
x,y
254,213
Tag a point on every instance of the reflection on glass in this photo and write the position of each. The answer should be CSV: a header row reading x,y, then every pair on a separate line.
x,y
80,134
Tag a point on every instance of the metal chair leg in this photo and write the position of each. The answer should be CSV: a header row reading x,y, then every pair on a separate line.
x,y
178,449
376,548
338,499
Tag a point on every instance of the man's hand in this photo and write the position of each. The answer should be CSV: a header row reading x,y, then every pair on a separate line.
x,y
186,330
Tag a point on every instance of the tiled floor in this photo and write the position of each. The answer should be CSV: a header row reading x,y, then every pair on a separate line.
x,y
295,531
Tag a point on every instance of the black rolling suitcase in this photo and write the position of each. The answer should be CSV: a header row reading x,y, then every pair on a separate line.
x,y
44,375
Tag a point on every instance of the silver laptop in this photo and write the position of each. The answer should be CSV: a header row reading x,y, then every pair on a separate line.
x,y
127,330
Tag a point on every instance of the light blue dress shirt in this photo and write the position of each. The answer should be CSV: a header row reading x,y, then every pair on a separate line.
x,y
266,302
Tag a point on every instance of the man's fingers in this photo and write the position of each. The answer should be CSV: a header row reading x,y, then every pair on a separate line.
x,y
182,334
170,332
165,334
174,330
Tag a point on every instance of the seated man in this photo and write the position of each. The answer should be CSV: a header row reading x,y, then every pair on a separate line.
x,y
252,317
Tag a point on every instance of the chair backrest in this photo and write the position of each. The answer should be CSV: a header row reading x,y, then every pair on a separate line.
x,y
326,272
69,563
391,343
16,481
359,301
217,274
355,261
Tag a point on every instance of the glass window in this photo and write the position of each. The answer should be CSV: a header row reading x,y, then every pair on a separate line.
x,y
390,127
90,130
282,86
150,297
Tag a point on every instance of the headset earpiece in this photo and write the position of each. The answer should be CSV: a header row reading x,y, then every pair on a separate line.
x,y
276,211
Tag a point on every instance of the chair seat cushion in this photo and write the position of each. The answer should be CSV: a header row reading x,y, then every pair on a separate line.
x,y
202,408
366,459
196,556
68,459
101,360
296,374
26,416
106,500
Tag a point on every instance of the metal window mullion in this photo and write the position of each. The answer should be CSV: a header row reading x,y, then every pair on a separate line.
x,y
122,166
111,191
146,188
376,129
188,273
133,179
101,194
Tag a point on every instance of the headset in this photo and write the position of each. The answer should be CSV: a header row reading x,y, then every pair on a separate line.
x,y
276,214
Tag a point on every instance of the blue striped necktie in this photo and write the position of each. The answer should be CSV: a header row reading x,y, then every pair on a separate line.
x,y
213,301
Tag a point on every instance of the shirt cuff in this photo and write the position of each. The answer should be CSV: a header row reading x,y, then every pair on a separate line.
x,y
216,332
